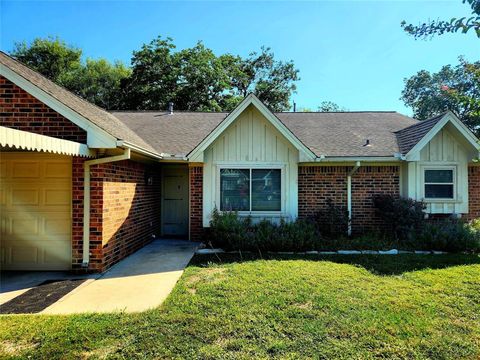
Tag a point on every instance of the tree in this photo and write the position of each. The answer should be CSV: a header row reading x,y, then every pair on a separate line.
x,y
439,27
154,77
330,106
196,79
98,81
455,88
51,57
272,81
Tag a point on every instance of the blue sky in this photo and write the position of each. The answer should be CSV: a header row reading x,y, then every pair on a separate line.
x,y
352,53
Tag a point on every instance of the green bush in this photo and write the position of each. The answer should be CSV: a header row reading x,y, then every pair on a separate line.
x,y
332,221
403,217
451,235
231,232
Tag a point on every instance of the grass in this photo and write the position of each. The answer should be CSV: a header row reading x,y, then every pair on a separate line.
x,y
331,307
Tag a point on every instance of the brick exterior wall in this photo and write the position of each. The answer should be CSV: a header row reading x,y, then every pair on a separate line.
x,y
366,183
317,184
124,212
20,110
196,202
474,192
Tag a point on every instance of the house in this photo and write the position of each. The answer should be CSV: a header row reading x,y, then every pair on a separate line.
x,y
81,188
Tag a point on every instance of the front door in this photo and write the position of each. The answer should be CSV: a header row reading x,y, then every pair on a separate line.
x,y
175,201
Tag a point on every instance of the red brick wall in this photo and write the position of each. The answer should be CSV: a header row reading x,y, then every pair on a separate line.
x,y
20,110
125,208
474,192
317,184
366,183
124,211
196,202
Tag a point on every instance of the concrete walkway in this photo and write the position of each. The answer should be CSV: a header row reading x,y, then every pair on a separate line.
x,y
138,283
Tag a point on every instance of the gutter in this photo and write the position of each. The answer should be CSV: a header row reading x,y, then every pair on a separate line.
x,y
349,195
86,199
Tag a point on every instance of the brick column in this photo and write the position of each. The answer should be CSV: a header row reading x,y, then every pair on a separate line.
x,y
196,201
473,192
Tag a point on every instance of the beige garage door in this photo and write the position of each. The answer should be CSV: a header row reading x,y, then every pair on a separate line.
x,y
35,211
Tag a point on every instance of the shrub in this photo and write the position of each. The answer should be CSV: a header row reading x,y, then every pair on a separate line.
x,y
332,221
230,232
299,235
402,217
451,235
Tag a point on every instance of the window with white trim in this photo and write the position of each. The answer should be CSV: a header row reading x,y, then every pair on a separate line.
x,y
250,190
439,184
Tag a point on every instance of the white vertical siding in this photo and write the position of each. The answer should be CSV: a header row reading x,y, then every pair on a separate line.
x,y
251,141
445,149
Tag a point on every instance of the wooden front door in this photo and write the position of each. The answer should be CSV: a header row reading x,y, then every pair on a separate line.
x,y
175,201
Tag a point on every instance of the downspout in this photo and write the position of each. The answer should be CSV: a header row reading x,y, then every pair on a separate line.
x,y
349,195
86,199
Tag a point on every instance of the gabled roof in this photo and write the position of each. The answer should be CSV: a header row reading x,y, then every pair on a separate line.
x,y
97,117
330,134
251,100
410,136
414,143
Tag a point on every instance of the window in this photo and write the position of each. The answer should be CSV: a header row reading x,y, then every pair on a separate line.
x,y
439,184
250,190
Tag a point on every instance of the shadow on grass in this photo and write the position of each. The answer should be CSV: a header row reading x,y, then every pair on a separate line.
x,y
377,264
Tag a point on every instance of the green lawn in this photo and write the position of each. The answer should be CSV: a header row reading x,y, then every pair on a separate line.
x,y
345,307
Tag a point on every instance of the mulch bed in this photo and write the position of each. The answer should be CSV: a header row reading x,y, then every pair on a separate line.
x,y
40,297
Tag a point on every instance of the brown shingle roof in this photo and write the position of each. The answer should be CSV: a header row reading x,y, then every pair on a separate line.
x,y
346,133
331,134
409,137
93,113
175,134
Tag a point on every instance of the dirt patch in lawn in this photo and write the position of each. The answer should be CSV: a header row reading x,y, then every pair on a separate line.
x,y
207,276
40,297
11,348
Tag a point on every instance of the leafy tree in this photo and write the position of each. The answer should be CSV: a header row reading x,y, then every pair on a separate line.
x,y
330,106
51,57
154,76
193,78
197,79
98,81
439,27
455,88
271,80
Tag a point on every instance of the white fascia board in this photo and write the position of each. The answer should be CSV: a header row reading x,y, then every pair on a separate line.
x,y
449,117
197,154
96,136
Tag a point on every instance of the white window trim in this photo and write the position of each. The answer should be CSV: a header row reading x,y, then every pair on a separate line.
x,y
266,166
454,183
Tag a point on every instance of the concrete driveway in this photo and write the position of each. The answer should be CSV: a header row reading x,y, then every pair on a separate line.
x,y
140,282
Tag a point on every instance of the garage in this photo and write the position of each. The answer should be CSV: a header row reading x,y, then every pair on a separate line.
x,y
35,211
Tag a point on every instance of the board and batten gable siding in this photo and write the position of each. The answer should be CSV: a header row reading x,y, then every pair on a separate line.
x,y
251,141
444,150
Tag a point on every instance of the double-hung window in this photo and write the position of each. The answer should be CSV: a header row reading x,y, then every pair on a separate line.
x,y
439,183
250,190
